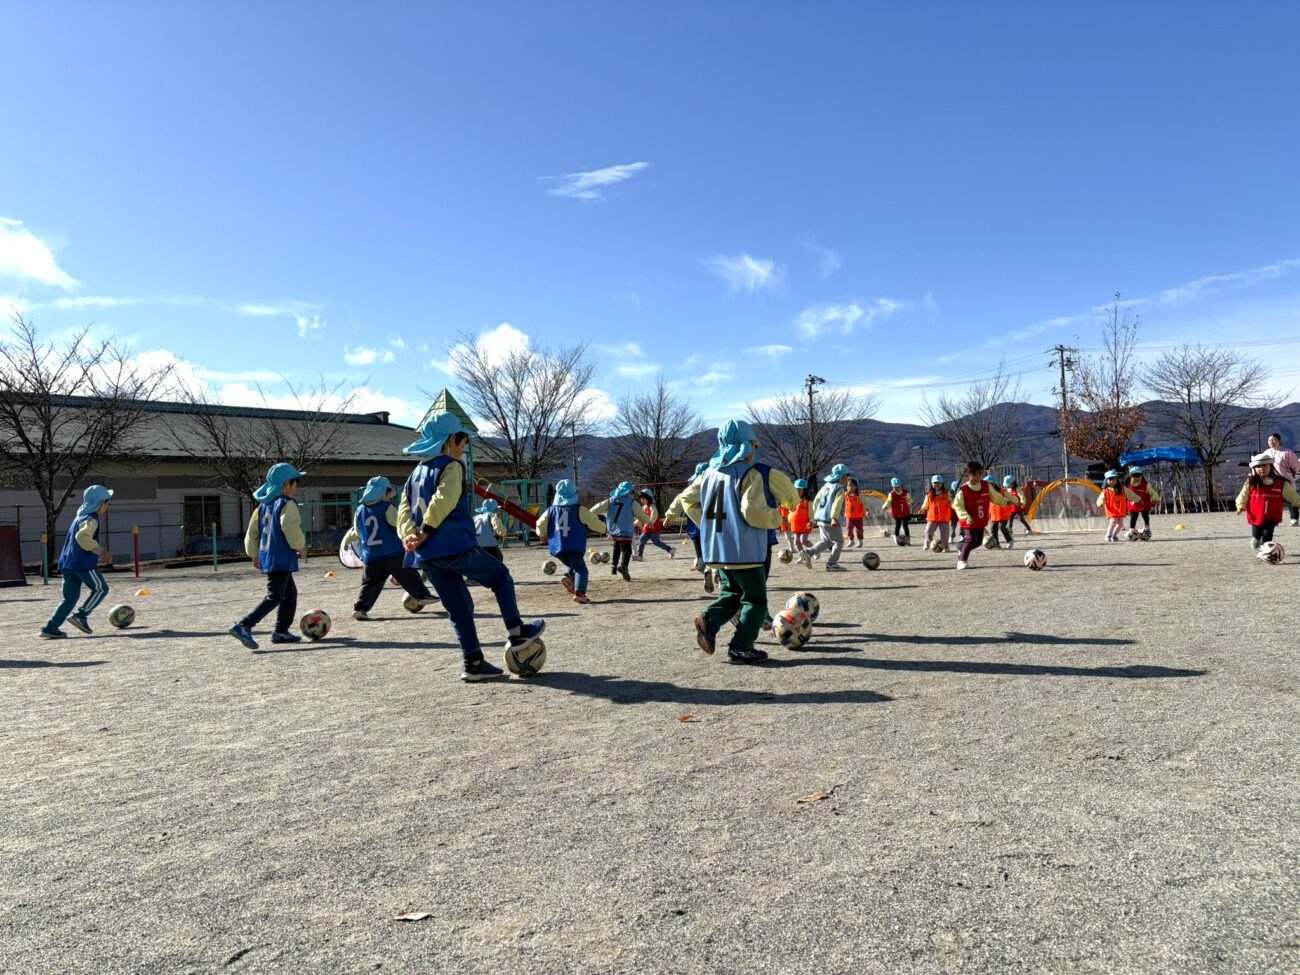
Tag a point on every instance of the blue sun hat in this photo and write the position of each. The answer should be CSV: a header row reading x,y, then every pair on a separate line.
x,y
1136,470
1008,481
433,434
735,441
895,482
837,472
624,490
566,493
800,485
490,507
375,490
938,479
92,498
276,478
953,487
1115,474
990,479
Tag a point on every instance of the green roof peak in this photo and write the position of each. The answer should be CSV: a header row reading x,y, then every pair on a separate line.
x,y
446,403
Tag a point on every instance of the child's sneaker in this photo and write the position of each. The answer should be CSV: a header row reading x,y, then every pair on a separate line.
x,y
477,670
638,558
672,554
961,563
1011,543
613,571
708,580
836,568
581,598
285,638
360,615
767,621
625,574
706,632
745,655
244,635
804,558
527,635
427,601
47,634
1254,544
567,582
79,622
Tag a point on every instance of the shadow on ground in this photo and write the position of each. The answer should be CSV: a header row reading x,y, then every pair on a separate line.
x,y
623,690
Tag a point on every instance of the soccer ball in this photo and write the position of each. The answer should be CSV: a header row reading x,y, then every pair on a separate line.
x,y
786,556
884,533
789,630
1133,535
593,557
121,616
1037,559
548,567
805,602
871,560
1271,552
902,541
1146,534
527,662
412,604
604,557
315,624
937,546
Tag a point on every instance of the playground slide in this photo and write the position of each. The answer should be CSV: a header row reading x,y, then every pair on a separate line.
x,y
508,506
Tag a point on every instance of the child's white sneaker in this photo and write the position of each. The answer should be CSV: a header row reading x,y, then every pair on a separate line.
x,y
360,615
961,563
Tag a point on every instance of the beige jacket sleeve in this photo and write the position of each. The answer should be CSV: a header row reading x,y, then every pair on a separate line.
x,y
291,525
253,536
86,535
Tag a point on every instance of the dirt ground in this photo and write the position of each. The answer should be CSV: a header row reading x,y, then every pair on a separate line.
x,y
1088,769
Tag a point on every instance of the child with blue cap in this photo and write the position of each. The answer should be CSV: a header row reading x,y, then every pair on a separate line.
x,y
733,504
79,563
828,512
274,541
488,527
436,524
374,534
898,505
566,525
622,515
650,532
675,511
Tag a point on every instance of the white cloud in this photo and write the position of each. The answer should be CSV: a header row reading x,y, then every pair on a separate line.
x,y
94,301
591,184
397,342
13,305
497,344
844,318
928,302
1219,282
363,356
744,272
305,315
638,370
772,352
25,256
627,349
828,261
719,372
599,404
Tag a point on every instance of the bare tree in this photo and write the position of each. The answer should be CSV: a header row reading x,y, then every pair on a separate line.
x,y
67,407
981,424
1209,398
534,403
239,445
1103,415
807,437
653,438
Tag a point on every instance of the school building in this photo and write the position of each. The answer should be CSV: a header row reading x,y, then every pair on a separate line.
x,y
165,488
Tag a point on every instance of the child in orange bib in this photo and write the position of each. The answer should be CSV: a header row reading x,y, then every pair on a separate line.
x,y
937,508
1114,499
1262,499
854,513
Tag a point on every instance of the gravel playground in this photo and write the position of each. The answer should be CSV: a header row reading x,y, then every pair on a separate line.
x,y
1089,769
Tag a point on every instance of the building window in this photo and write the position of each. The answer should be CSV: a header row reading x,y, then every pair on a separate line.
x,y
335,510
198,513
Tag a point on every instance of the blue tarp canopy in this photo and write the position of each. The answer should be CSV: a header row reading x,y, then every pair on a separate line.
x,y
1177,455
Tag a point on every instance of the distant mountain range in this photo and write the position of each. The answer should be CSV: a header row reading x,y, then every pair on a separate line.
x,y
891,449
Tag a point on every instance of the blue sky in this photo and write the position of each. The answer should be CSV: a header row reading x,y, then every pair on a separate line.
x,y
730,194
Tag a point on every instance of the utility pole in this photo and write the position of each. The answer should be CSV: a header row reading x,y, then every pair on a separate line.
x,y
574,438
809,383
1063,355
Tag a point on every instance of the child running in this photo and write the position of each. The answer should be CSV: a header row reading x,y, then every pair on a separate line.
x,y
622,515
899,507
972,501
730,504
436,525
854,513
1263,498
79,563
1002,514
800,519
566,525
488,528
675,510
1018,508
1114,498
828,509
1143,496
650,531
374,533
275,541
937,508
